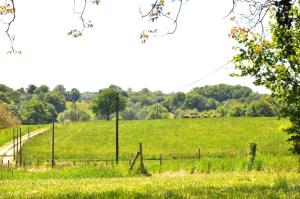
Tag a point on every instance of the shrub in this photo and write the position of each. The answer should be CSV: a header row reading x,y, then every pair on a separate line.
x,y
73,115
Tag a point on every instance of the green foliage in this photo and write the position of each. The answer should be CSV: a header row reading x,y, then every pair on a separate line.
x,y
7,119
176,101
232,108
75,95
260,108
274,62
31,88
8,95
105,103
195,101
74,114
157,111
60,89
129,114
252,154
36,111
41,89
57,100
224,92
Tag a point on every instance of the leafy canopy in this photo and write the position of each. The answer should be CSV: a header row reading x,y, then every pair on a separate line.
x,y
275,62
105,103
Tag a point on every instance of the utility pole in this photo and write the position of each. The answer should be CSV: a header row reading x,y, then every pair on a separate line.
x,y
117,130
52,159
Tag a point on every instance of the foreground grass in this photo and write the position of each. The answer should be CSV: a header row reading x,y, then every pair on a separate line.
x,y
165,185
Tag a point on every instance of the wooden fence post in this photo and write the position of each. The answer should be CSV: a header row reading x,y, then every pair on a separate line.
x,y
20,147
160,159
52,159
141,158
17,145
133,161
14,144
199,154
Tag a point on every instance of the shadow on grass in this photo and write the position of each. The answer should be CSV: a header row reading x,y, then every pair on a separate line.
x,y
192,192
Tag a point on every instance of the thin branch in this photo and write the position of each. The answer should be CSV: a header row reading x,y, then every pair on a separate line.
x,y
9,25
81,16
150,11
232,9
76,32
175,21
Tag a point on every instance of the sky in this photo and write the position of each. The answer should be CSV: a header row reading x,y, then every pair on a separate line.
x,y
111,52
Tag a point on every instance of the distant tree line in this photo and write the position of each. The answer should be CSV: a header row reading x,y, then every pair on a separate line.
x,y
36,104
209,101
39,104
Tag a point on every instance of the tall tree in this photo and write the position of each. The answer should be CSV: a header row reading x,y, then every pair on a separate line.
x,y
41,89
60,89
7,119
75,94
274,61
105,103
31,88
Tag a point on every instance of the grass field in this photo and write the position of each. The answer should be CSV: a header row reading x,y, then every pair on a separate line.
x,y
165,185
223,143
221,172
6,134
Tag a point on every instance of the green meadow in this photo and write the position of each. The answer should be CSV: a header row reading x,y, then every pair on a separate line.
x,y
223,143
86,168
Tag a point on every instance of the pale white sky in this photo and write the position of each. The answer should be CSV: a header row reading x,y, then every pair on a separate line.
x,y
111,52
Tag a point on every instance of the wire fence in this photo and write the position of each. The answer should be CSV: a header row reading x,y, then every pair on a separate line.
x,y
85,160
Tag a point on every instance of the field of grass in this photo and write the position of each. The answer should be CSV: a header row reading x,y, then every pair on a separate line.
x,y
164,185
6,134
223,143
85,166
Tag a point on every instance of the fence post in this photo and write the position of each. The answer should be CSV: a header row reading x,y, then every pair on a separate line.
x,y
160,159
141,158
17,146
199,154
52,160
14,144
8,163
20,147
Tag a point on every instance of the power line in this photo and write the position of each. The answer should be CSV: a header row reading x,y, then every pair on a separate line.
x,y
208,75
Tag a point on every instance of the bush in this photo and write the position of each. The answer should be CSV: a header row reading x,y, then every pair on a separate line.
x,y
73,115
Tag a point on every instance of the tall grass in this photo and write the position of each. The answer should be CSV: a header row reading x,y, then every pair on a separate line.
x,y
175,185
